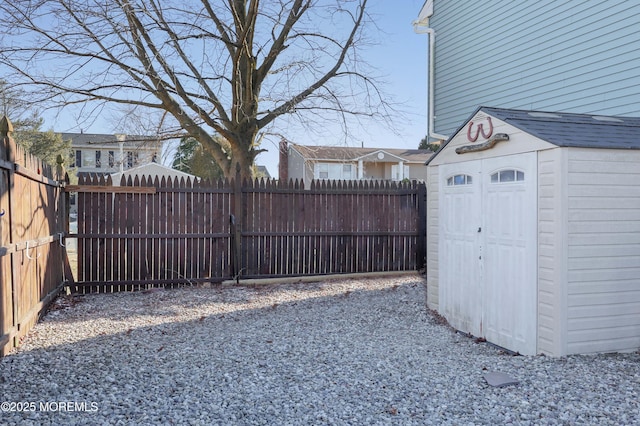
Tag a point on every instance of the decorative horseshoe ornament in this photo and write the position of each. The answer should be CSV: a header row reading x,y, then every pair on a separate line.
x,y
479,130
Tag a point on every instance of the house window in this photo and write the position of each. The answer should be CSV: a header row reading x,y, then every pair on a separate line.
x,y
459,180
395,172
507,176
323,171
112,159
347,171
78,160
338,171
132,159
98,161
88,161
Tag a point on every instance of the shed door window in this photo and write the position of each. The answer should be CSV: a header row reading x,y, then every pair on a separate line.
x,y
507,176
459,180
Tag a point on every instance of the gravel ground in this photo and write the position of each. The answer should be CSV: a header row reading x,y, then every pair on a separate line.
x,y
358,352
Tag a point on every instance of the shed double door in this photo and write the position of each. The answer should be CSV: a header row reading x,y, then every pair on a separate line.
x,y
488,249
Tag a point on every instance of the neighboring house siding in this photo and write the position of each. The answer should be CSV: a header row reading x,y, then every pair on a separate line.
x,y
552,251
417,172
374,171
604,250
542,55
297,167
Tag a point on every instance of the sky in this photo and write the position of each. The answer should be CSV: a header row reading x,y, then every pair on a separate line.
x,y
399,55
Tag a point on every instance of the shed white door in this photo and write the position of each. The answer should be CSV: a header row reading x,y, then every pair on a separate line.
x,y
488,288
459,246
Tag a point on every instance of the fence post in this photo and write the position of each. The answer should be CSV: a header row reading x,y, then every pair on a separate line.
x,y
64,207
62,178
9,289
236,225
421,246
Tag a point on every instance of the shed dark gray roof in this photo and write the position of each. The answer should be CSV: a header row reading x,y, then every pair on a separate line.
x,y
574,130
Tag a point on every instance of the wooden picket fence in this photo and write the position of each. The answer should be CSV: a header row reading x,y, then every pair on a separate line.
x,y
33,218
165,232
334,227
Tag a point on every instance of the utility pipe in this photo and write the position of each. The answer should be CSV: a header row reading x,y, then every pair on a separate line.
x,y
420,27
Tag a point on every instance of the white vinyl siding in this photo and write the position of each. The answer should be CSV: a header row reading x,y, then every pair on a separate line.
x,y
603,250
433,223
551,251
542,55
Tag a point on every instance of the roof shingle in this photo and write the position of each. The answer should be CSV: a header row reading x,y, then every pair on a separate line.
x,y
574,130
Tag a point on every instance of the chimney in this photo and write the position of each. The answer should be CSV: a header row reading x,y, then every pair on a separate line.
x,y
283,165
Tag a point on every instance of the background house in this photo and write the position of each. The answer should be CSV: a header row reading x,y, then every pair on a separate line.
x,y
346,163
106,154
579,57
533,231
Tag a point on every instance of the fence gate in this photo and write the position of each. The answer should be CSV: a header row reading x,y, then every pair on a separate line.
x,y
146,233
32,224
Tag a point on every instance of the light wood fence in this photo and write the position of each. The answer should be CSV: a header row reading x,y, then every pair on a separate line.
x,y
33,264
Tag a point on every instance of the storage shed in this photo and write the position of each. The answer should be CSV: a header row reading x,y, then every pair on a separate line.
x,y
533,231
151,171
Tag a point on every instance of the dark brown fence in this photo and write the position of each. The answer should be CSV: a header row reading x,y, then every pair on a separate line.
x,y
334,227
32,224
168,232
147,233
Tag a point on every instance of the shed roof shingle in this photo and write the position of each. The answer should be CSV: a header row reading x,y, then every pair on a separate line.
x,y
574,130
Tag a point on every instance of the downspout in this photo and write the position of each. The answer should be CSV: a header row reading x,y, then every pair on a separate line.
x,y
421,27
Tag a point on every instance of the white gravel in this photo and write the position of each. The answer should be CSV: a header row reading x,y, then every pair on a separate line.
x,y
358,352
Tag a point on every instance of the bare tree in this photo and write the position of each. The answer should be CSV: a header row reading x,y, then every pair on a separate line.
x,y
209,67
